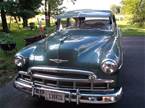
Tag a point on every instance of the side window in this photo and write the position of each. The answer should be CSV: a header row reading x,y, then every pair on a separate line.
x,y
57,24
72,22
64,23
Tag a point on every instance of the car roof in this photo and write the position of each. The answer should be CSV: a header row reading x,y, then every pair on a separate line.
x,y
85,13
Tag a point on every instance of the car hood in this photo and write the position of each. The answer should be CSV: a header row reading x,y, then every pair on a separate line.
x,y
70,49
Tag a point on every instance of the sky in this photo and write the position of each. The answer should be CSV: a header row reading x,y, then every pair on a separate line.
x,y
90,4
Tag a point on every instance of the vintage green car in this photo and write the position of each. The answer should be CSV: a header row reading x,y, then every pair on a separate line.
x,y
79,63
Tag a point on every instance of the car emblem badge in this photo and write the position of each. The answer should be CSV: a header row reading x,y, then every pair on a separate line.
x,y
92,77
58,60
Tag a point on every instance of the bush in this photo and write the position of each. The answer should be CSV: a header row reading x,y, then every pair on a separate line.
x,y
7,42
6,39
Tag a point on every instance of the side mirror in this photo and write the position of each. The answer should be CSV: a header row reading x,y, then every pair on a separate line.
x,y
56,23
56,26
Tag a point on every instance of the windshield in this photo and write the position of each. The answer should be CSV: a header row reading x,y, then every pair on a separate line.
x,y
102,23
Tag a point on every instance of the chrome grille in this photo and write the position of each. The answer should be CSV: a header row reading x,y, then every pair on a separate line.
x,y
64,78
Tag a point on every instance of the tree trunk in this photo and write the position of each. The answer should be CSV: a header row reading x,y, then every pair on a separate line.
x,y
49,14
4,21
25,22
46,13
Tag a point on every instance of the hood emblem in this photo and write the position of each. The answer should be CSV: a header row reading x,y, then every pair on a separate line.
x,y
58,60
92,77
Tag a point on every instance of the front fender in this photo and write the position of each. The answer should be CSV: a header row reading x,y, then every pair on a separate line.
x,y
112,51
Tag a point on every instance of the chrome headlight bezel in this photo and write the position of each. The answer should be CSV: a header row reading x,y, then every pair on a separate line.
x,y
109,66
19,61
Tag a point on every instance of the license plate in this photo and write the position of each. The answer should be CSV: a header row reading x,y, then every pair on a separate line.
x,y
54,96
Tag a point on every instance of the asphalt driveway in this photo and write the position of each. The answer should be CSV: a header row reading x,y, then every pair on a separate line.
x,y
132,75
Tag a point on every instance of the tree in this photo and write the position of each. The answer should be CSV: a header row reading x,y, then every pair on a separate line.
x,y
27,9
54,8
3,6
135,8
115,8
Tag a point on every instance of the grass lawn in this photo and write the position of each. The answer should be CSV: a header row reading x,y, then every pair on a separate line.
x,y
131,30
7,67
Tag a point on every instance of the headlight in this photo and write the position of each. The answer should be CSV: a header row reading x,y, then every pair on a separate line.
x,y
109,66
19,61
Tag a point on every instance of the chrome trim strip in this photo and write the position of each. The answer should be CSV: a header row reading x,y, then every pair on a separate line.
x,y
58,60
52,87
57,78
66,79
23,73
121,61
55,70
107,59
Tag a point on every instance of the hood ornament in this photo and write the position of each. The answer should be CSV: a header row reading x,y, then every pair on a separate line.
x,y
58,61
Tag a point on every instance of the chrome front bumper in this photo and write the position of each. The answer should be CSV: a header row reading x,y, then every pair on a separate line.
x,y
78,96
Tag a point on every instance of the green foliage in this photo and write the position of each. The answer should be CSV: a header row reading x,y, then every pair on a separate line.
x,y
26,14
131,30
115,9
136,8
7,66
54,6
21,8
6,39
129,6
9,6
28,9
4,7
